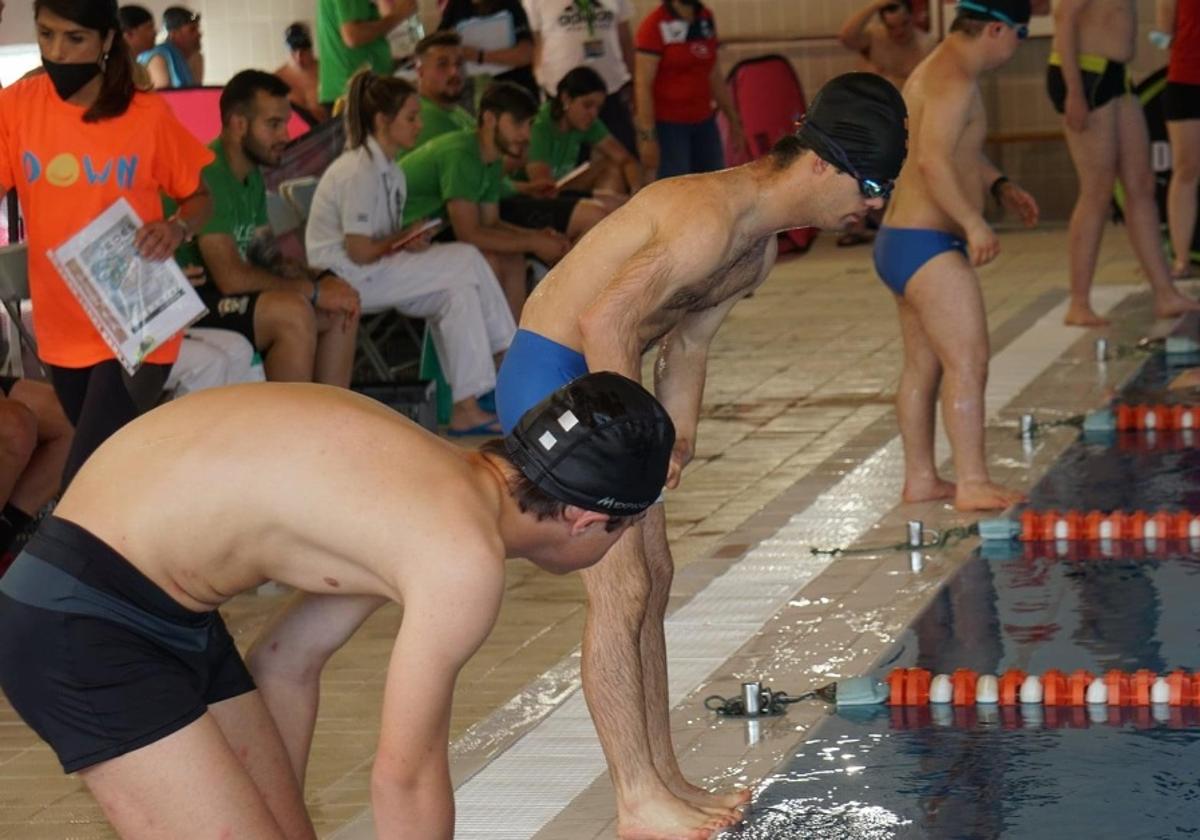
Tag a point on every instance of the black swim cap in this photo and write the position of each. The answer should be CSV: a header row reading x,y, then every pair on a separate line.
x,y
1006,11
858,120
601,442
297,37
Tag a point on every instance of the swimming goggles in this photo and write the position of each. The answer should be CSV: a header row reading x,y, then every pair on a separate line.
x,y
869,187
1022,29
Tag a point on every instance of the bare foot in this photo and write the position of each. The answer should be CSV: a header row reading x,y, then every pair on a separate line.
x,y
1082,315
983,495
927,490
727,804
1174,304
669,818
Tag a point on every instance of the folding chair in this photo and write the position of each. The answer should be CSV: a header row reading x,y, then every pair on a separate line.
x,y
14,288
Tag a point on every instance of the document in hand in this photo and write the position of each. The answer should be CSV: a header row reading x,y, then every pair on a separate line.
x,y
424,227
136,305
573,174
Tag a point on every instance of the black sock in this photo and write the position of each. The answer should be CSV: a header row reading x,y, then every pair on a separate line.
x,y
12,522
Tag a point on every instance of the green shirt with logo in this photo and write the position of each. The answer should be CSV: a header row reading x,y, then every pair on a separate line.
x,y
239,208
338,61
447,168
551,145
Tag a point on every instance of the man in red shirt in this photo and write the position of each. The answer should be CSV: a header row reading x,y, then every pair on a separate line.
x,y
1181,104
678,78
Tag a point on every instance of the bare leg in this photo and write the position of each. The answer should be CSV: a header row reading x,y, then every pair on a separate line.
x,y
334,363
945,295
18,440
1094,153
916,406
618,590
285,332
1181,197
654,676
43,472
287,658
254,739
510,271
587,214
188,784
1141,211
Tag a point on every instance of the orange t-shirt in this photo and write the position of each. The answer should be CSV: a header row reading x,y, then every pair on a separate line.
x,y
67,172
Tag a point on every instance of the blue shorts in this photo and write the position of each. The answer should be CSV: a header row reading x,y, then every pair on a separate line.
x,y
534,367
900,252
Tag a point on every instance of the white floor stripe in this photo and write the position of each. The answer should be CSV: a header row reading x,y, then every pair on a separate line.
x,y
502,802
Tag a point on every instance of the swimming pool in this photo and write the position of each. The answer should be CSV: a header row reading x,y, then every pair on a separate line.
x,y
1028,772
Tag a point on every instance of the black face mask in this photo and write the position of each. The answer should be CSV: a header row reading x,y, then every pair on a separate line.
x,y
68,79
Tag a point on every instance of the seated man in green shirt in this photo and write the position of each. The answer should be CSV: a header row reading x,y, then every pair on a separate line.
x,y
351,34
303,324
458,177
440,83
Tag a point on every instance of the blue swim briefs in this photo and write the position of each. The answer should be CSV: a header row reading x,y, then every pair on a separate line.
x,y
900,252
534,367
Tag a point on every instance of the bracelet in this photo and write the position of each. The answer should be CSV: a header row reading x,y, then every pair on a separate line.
x,y
996,187
317,286
645,134
178,219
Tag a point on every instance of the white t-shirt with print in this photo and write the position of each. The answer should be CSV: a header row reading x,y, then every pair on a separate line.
x,y
568,41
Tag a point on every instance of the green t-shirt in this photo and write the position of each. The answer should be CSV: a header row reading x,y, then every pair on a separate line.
x,y
445,168
339,62
560,149
436,121
239,208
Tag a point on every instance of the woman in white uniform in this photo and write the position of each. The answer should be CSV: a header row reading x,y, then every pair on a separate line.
x,y
354,229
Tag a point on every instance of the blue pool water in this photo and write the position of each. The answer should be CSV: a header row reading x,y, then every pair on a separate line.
x,y
1029,772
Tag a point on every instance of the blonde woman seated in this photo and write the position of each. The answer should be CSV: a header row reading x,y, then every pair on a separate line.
x,y
355,230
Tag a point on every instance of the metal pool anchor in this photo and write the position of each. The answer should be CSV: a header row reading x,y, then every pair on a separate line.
x,y
758,701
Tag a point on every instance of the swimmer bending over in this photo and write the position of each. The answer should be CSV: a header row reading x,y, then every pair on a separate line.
x,y
111,646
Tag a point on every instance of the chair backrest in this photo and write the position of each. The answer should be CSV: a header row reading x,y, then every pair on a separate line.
x,y
280,214
14,272
298,193
770,100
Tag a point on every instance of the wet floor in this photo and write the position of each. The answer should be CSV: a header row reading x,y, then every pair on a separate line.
x,y
1028,772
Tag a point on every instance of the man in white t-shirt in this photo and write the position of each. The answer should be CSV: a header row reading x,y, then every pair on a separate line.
x,y
596,33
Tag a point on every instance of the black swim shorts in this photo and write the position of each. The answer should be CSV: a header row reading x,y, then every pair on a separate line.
x,y
1181,102
537,213
96,658
229,312
1103,81
7,383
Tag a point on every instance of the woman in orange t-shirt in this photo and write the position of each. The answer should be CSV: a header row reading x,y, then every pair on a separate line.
x,y
74,139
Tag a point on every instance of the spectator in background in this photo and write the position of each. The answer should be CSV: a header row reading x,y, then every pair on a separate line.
x,y
35,439
301,74
884,33
50,124
678,79
463,16
351,34
304,323
1181,106
592,32
562,128
355,229
458,177
440,85
137,28
177,62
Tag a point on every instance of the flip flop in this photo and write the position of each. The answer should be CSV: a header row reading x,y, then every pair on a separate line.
x,y
490,428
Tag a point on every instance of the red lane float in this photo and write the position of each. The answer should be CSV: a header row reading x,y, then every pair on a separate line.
x,y
911,687
1073,525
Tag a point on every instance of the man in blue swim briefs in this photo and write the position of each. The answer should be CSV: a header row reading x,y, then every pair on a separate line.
x,y
662,273
1089,84
933,235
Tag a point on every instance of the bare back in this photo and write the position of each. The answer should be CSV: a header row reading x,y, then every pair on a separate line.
x,y
1106,28
312,486
937,81
691,232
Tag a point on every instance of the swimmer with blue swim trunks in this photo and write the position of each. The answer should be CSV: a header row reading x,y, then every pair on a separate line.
x,y
933,236
661,274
